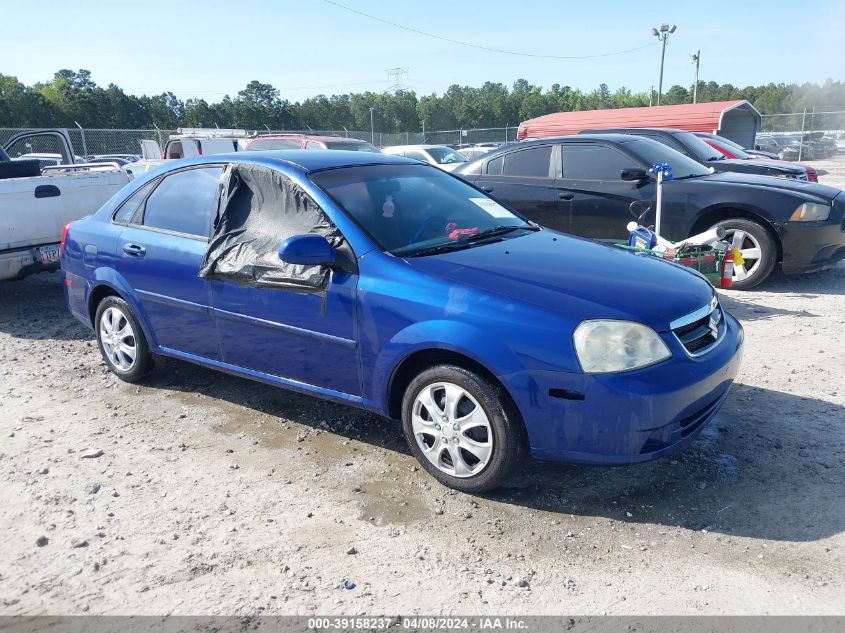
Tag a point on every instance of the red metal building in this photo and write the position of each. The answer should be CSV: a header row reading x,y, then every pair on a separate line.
x,y
737,120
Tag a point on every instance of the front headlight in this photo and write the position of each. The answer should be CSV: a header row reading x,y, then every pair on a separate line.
x,y
810,212
608,346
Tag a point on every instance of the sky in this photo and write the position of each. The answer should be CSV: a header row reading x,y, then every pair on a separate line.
x,y
209,48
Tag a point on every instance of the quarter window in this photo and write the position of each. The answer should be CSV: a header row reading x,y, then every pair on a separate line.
x,y
532,162
185,202
594,162
128,209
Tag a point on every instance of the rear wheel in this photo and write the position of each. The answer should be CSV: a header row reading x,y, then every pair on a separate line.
x,y
461,428
758,251
121,340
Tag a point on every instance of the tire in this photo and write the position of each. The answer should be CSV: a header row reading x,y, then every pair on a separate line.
x,y
757,244
475,418
119,336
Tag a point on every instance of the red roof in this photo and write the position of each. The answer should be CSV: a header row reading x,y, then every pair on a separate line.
x,y
699,117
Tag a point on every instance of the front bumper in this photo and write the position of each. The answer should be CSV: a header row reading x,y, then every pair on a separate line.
x,y
811,246
630,417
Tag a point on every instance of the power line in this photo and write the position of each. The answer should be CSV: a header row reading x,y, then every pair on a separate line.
x,y
479,46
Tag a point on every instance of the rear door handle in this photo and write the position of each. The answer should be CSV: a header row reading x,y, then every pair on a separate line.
x,y
565,195
487,189
134,250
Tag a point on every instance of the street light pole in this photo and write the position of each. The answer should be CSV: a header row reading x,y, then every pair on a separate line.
x,y
372,129
663,35
696,57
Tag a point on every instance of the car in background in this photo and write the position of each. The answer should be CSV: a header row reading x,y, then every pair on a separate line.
x,y
729,149
724,145
129,158
305,141
488,336
475,151
440,156
592,185
767,145
37,200
48,159
695,148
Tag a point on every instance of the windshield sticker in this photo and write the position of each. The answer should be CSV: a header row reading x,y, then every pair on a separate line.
x,y
492,207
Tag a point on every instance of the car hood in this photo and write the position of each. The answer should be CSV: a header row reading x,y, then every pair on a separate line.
x,y
756,166
801,187
575,277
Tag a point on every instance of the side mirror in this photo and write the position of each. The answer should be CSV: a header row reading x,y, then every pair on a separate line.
x,y
308,250
634,174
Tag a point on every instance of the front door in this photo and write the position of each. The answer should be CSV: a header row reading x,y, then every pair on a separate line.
x,y
600,201
309,337
160,252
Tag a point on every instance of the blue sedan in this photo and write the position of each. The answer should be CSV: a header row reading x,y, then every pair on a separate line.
x,y
387,284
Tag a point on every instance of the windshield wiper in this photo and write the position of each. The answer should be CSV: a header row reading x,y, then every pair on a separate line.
x,y
457,245
500,230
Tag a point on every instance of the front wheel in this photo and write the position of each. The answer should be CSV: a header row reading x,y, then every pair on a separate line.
x,y
757,248
461,428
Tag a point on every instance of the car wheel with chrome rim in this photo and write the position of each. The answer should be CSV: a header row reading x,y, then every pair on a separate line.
x,y
757,248
461,428
121,340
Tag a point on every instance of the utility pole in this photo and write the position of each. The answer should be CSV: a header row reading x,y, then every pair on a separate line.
x,y
696,57
372,129
650,95
662,35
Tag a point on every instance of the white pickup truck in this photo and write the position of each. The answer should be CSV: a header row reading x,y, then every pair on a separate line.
x,y
36,203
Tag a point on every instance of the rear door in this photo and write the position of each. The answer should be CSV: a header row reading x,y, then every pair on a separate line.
x,y
524,179
600,200
160,252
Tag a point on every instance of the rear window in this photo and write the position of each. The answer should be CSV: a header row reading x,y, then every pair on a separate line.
x,y
273,143
532,162
352,146
184,202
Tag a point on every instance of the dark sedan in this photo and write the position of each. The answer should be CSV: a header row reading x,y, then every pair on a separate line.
x,y
695,148
590,185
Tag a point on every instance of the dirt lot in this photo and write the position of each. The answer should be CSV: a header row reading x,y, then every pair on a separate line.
x,y
199,493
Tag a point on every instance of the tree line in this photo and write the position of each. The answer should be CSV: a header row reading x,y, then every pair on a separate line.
x,y
73,97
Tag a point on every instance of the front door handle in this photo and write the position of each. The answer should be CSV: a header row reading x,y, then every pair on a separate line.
x,y
566,195
134,250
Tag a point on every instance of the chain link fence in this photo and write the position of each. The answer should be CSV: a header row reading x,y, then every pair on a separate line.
x,y
831,121
89,141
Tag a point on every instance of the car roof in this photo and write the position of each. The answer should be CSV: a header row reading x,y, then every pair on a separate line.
x,y
308,137
600,136
301,159
418,146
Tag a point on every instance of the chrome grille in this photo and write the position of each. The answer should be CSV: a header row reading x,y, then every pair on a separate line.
x,y
701,330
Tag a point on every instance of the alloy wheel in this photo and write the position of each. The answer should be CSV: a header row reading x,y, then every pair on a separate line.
x,y
750,250
451,429
118,339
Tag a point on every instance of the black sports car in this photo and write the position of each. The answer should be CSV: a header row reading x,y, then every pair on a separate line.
x,y
695,148
592,185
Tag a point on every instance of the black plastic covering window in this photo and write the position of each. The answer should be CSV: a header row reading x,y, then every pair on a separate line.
x,y
259,209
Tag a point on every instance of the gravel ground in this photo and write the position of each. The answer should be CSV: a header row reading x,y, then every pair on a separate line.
x,y
200,493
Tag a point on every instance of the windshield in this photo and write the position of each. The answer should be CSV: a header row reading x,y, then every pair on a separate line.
x,y
274,143
697,147
352,146
653,152
735,151
446,156
413,209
